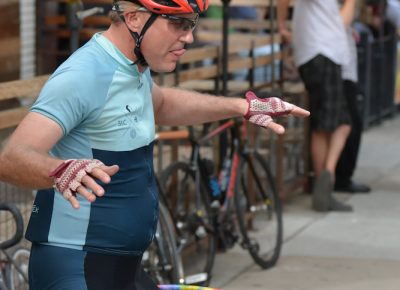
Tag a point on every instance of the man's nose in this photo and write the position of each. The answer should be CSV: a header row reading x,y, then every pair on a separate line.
x,y
187,37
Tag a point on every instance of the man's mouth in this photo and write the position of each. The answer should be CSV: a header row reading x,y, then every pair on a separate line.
x,y
178,52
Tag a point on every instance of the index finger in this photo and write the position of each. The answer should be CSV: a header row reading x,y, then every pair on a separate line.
x,y
299,112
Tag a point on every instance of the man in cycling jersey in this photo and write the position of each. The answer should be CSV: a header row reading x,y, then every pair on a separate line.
x,y
88,139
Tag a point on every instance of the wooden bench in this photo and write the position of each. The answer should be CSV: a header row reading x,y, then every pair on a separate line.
x,y
242,56
191,67
18,89
54,33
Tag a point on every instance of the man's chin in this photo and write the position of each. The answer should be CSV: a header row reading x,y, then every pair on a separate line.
x,y
164,68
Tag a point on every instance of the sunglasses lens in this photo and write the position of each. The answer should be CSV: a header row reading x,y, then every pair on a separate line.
x,y
188,24
184,24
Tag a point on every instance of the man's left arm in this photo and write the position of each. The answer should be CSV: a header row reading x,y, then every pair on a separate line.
x,y
173,107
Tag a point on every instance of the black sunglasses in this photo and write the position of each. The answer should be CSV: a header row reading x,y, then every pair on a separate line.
x,y
183,23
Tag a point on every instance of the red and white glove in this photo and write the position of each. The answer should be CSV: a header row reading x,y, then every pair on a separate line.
x,y
261,111
68,175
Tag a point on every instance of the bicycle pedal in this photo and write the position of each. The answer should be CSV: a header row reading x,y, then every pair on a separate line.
x,y
215,205
201,232
196,278
252,245
245,245
167,267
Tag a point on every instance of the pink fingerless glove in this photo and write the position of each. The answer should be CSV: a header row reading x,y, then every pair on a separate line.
x,y
68,175
261,111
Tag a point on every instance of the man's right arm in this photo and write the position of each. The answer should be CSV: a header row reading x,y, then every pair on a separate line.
x,y
24,158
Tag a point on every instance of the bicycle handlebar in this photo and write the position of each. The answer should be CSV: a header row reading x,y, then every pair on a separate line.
x,y
89,12
19,232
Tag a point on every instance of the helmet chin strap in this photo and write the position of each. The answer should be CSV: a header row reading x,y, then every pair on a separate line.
x,y
137,37
138,40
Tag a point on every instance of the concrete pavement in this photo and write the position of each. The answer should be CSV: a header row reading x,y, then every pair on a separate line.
x,y
336,251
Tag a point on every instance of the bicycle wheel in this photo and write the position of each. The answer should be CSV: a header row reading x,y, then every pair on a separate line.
x,y
161,260
193,221
19,269
259,210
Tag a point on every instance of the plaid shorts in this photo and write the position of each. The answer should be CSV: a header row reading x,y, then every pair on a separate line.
x,y
323,81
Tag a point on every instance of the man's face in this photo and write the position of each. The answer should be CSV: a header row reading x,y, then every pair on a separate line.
x,y
163,43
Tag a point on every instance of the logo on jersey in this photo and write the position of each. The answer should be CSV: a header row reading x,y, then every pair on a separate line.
x,y
129,121
35,209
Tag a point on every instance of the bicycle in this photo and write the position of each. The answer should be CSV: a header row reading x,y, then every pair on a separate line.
x,y
14,265
206,210
161,260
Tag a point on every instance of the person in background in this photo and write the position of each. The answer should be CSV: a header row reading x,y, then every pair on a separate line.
x,y
320,51
87,144
376,12
348,159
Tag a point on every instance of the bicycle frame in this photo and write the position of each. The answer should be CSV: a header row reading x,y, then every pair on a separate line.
x,y
197,145
3,275
221,211
235,155
238,150
248,197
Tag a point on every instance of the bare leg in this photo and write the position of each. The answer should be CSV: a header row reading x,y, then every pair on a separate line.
x,y
319,150
326,148
336,145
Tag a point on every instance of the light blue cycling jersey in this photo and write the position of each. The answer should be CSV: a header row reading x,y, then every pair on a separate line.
x,y
104,107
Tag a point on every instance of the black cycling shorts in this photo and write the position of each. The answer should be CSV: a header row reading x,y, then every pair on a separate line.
x,y
58,268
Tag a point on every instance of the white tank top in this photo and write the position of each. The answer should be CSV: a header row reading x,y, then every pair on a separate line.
x,y
318,29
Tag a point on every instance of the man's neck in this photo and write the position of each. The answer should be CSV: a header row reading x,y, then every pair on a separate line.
x,y
121,38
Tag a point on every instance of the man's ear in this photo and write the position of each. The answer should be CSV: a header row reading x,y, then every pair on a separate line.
x,y
135,21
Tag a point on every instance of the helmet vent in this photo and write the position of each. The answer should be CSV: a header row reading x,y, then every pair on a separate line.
x,y
167,3
193,3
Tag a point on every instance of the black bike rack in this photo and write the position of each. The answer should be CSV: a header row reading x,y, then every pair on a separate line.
x,y
377,60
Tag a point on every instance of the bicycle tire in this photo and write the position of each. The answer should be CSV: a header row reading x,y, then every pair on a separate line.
x,y
161,260
193,223
20,262
19,225
259,210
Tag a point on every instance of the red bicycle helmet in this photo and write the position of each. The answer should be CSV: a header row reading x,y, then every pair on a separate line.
x,y
157,7
175,6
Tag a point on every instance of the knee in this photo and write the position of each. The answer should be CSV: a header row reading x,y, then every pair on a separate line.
x,y
344,130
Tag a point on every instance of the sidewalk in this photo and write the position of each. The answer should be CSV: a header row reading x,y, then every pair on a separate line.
x,y
336,251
